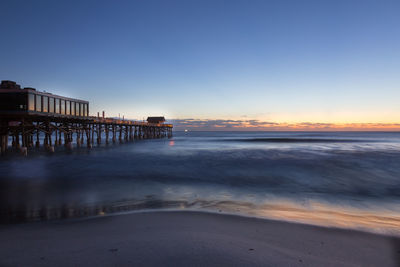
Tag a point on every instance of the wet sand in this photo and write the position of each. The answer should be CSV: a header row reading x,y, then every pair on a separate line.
x,y
190,239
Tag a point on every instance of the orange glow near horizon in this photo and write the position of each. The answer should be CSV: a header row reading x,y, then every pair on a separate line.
x,y
332,126
258,125
346,120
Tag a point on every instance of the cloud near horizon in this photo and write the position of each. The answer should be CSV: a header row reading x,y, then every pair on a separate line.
x,y
257,125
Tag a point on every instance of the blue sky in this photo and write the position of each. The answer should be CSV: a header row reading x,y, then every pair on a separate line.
x,y
278,61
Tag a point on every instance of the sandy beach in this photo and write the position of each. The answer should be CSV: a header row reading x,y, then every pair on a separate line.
x,y
185,238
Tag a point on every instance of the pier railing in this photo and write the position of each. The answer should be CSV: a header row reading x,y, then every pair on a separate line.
x,y
128,122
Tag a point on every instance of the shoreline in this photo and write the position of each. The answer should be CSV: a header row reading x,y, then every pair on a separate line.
x,y
190,238
233,213
373,219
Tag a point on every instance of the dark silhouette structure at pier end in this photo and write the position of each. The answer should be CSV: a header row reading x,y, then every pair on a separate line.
x,y
28,116
155,119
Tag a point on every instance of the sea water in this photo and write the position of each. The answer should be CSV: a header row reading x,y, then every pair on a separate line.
x,y
340,179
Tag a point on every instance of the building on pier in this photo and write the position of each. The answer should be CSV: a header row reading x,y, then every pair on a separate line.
x,y
17,100
156,120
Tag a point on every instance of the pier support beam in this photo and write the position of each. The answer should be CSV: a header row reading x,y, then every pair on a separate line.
x,y
82,135
92,134
56,137
16,143
107,133
78,138
126,133
135,135
4,143
130,133
59,138
114,138
88,132
99,134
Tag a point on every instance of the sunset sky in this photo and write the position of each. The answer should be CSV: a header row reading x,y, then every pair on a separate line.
x,y
211,65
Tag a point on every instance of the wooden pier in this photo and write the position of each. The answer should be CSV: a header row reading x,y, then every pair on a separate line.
x,y
32,119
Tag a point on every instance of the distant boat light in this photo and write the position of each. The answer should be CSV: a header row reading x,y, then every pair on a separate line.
x,y
186,130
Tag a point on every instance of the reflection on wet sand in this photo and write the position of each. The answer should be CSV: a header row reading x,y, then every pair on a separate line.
x,y
377,221
29,214
322,214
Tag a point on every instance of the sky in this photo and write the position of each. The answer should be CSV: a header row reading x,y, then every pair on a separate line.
x,y
245,65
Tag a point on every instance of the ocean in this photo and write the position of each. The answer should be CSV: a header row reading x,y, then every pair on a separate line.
x,y
334,179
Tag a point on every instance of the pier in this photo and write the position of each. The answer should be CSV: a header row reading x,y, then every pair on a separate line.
x,y
29,118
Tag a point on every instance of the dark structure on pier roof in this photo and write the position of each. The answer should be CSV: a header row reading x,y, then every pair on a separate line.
x,y
155,119
9,85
